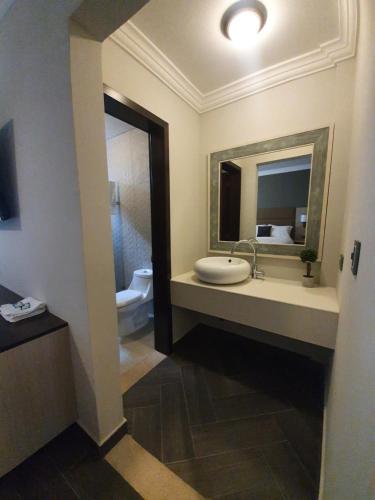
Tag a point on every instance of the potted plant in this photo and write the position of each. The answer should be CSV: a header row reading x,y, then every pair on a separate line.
x,y
308,256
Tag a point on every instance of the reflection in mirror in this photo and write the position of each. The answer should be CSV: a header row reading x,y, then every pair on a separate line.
x,y
266,196
283,193
274,190
230,201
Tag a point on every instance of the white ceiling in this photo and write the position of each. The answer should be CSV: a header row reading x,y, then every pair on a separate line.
x,y
115,127
180,41
285,166
188,33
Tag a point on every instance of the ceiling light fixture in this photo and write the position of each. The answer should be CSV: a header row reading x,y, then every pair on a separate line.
x,y
243,20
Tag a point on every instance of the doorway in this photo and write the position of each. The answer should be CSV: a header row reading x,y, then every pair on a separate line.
x,y
142,122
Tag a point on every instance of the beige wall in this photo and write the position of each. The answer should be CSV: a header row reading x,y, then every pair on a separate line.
x,y
350,442
41,253
88,109
312,102
187,180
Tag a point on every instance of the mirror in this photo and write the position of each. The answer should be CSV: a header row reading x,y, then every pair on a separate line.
x,y
273,191
266,196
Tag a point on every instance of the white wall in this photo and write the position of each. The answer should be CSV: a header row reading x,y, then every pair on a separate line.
x,y
187,179
312,102
88,114
350,445
41,254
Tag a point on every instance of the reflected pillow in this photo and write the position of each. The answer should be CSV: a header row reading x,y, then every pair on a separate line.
x,y
282,233
264,230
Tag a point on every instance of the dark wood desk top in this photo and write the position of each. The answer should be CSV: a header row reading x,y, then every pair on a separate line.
x,y
15,334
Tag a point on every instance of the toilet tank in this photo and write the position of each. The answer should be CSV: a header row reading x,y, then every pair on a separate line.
x,y
142,281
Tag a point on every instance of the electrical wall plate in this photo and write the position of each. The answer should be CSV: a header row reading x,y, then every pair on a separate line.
x,y
355,257
341,262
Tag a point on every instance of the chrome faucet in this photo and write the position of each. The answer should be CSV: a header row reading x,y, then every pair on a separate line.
x,y
252,243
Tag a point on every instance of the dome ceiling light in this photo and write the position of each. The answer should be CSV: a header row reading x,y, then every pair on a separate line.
x,y
243,20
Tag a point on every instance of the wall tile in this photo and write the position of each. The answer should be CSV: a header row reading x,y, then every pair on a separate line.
x,y
128,164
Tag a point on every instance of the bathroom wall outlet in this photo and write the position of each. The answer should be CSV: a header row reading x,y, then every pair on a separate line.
x,y
355,256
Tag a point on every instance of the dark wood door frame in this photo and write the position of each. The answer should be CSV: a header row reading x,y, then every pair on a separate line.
x,y
158,131
230,201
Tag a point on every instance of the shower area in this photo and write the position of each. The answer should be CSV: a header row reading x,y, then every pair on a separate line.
x,y
131,231
129,190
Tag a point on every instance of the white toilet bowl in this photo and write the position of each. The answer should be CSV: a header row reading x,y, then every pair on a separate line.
x,y
134,304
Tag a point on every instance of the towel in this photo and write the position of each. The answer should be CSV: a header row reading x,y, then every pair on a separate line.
x,y
25,308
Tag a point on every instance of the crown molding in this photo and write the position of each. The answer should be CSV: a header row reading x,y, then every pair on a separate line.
x,y
133,41
326,56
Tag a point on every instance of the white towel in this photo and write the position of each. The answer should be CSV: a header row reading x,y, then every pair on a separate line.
x,y
25,308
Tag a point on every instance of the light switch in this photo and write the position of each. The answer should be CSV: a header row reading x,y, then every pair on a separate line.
x,y
355,256
341,262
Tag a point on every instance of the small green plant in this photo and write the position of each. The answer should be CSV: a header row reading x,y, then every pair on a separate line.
x,y
308,256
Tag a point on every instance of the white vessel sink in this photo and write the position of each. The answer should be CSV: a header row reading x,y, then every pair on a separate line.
x,y
222,270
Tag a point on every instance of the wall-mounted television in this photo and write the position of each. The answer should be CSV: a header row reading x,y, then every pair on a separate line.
x,y
8,184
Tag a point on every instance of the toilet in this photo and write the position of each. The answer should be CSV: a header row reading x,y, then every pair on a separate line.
x,y
134,305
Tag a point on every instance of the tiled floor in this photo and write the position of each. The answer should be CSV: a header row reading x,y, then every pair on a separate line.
x,y
66,469
150,477
221,418
233,418
138,356
135,347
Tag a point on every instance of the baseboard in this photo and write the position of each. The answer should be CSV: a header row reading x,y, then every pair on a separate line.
x,y
105,445
113,438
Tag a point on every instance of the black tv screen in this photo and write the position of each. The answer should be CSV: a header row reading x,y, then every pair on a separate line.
x,y
8,189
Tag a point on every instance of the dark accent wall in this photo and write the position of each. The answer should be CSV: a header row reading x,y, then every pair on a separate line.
x,y
290,189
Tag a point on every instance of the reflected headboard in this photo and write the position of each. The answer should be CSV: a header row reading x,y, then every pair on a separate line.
x,y
277,216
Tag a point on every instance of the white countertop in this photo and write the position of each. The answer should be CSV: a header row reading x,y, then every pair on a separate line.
x,y
322,298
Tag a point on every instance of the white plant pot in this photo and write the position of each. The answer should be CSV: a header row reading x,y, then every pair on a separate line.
x,y
308,281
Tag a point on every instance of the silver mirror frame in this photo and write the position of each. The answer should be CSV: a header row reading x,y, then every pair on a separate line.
x,y
319,139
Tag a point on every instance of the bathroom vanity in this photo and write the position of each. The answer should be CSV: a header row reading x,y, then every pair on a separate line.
x,y
267,199
37,399
283,307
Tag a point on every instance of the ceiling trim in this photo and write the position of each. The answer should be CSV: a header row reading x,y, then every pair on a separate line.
x,y
326,56
133,41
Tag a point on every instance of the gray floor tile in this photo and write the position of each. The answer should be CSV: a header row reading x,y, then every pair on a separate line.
x,y
198,400
146,429
303,439
290,475
141,395
8,487
239,420
70,448
40,479
176,438
256,492
221,386
244,433
166,372
249,405
228,473
66,469
129,415
96,480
